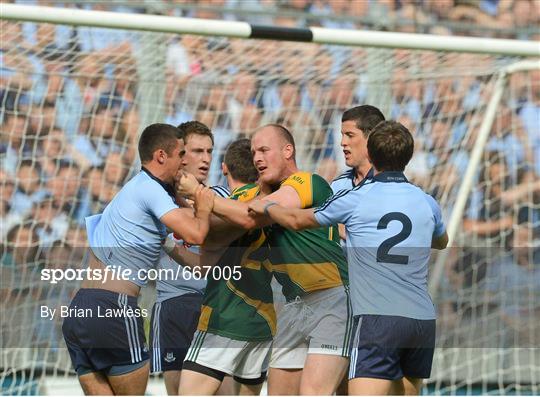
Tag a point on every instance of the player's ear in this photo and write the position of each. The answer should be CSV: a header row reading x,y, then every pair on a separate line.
x,y
224,169
160,156
288,151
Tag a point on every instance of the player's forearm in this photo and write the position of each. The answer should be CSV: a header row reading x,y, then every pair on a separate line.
x,y
221,233
235,212
197,228
292,218
184,257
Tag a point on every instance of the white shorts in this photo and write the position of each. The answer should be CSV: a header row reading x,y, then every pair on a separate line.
x,y
243,359
318,323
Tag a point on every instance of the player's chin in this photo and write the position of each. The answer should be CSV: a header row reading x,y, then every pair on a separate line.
x,y
266,178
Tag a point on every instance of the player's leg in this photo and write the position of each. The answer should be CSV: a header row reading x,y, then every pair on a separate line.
x,y
375,367
199,380
369,387
284,382
130,383
289,352
174,322
95,384
322,374
250,367
227,387
330,328
343,388
417,358
248,387
412,386
172,381
112,346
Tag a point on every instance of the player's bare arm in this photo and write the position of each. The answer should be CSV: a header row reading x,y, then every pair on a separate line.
x,y
291,218
183,256
192,228
237,212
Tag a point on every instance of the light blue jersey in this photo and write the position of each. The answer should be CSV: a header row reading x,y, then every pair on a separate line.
x,y
183,281
129,233
346,180
390,226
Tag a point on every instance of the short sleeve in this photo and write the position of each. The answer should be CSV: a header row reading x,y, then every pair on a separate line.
x,y
437,216
337,209
301,182
157,200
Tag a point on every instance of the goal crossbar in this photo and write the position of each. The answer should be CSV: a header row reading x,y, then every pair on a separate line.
x,y
209,27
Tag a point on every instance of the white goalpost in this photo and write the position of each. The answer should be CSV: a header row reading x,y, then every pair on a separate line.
x,y
76,88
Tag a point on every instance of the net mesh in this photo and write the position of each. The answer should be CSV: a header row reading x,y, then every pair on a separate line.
x,y
73,101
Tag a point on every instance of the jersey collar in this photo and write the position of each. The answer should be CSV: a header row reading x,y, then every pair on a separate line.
x,y
369,175
167,187
391,176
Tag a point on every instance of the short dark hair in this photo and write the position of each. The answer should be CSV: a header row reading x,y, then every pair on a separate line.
x,y
366,117
239,161
390,146
157,136
194,128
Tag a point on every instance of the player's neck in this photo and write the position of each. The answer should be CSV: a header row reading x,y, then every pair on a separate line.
x,y
362,171
157,172
234,184
289,170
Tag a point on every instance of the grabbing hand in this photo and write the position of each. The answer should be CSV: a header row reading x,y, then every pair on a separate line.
x,y
204,199
186,184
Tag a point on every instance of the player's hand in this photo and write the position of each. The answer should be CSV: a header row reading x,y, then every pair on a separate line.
x,y
256,207
204,199
186,184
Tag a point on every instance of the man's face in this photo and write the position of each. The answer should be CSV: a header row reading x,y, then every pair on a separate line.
x,y
354,144
174,161
28,179
267,148
198,156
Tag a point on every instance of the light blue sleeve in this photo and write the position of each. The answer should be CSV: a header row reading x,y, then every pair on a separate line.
x,y
336,209
157,201
437,216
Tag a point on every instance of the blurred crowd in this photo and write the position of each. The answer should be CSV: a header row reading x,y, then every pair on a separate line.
x,y
72,101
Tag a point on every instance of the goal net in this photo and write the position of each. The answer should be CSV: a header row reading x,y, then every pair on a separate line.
x,y
73,101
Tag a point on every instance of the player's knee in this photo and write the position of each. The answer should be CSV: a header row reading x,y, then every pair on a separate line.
x,y
316,385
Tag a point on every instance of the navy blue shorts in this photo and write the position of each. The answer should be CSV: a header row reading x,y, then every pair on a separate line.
x,y
391,347
104,332
174,322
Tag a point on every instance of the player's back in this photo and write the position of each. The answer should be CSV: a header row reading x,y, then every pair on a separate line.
x,y
389,244
241,307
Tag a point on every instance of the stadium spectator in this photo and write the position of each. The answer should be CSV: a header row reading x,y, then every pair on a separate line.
x,y
488,217
28,190
22,247
14,141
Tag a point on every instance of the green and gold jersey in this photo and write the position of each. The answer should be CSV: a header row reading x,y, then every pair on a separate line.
x,y
312,259
242,308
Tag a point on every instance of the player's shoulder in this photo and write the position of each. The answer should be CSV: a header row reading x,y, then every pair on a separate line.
x,y
344,177
246,192
220,190
299,177
141,185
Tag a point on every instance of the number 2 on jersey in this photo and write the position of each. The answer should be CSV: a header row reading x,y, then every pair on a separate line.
x,y
389,243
